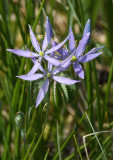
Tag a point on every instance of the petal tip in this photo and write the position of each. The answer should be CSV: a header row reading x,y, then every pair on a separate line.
x,y
29,26
88,34
70,29
36,105
89,21
8,50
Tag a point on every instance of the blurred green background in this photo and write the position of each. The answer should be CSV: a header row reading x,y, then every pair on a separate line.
x,y
66,112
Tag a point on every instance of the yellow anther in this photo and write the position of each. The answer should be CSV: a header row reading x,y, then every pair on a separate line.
x,y
73,58
64,46
75,41
75,45
41,53
51,39
42,36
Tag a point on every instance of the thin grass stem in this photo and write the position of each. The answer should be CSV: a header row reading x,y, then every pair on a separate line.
x,y
45,158
30,147
98,96
70,157
89,89
74,13
78,147
96,137
108,90
58,144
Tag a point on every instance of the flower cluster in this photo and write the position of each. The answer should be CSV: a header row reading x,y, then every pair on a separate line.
x,y
56,62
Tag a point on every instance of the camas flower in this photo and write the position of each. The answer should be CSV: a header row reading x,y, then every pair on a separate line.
x,y
48,75
77,53
79,57
43,51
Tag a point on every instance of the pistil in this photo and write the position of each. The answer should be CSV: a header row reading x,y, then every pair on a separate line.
x,y
48,75
41,53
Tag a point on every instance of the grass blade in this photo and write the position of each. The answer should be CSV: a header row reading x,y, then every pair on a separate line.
x,y
58,143
74,13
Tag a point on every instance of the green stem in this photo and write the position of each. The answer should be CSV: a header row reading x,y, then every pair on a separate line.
x,y
30,146
31,124
46,154
21,98
98,96
65,143
17,86
76,101
38,16
9,102
18,20
78,147
7,139
108,90
70,157
58,143
51,15
17,144
89,89
74,13
96,137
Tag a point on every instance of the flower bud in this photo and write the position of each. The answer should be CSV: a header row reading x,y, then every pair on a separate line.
x,y
20,120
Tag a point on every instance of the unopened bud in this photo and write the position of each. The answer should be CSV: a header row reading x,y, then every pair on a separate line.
x,y
20,120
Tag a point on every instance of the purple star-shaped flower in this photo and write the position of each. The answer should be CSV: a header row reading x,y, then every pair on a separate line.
x,y
78,57
77,53
41,52
50,74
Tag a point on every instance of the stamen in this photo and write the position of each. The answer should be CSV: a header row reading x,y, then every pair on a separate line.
x,y
51,40
42,36
64,46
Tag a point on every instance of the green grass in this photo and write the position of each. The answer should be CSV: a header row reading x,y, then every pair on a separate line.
x,y
49,129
